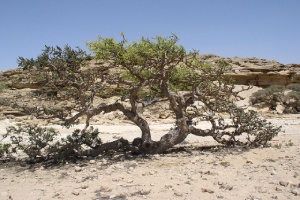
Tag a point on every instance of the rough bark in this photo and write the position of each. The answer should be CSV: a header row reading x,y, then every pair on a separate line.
x,y
120,144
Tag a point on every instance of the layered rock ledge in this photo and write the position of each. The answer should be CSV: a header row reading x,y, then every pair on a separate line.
x,y
258,72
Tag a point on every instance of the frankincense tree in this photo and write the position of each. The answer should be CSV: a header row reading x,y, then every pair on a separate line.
x,y
158,68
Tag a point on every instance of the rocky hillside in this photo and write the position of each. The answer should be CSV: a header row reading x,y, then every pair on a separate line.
x,y
259,72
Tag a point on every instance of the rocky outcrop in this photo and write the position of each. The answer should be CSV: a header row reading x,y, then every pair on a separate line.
x,y
19,79
258,72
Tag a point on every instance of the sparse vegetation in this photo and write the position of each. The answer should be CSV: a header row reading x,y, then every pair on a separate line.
x,y
278,145
293,102
279,95
3,87
294,87
225,163
269,95
289,143
42,143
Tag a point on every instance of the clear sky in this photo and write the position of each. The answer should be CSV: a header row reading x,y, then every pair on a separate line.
x,y
267,29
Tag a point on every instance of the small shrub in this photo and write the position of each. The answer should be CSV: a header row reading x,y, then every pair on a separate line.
x,y
278,146
292,102
252,125
4,149
88,137
294,87
293,95
33,140
289,143
268,95
3,87
276,88
275,95
225,163
43,143
39,78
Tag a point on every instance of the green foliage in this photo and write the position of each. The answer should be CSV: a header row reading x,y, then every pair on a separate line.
x,y
39,142
3,87
4,149
275,95
126,75
253,125
266,93
269,95
31,139
65,77
56,59
141,65
258,130
62,70
183,79
293,95
39,78
225,163
294,87
143,60
88,137
292,101
140,53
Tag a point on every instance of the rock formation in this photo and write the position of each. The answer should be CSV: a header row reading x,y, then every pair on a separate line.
x,y
258,72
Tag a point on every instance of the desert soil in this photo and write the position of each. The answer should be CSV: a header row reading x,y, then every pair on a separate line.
x,y
197,169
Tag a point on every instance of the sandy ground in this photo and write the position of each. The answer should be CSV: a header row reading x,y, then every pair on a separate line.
x,y
197,169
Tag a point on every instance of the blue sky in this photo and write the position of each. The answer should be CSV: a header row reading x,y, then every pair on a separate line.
x,y
267,29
